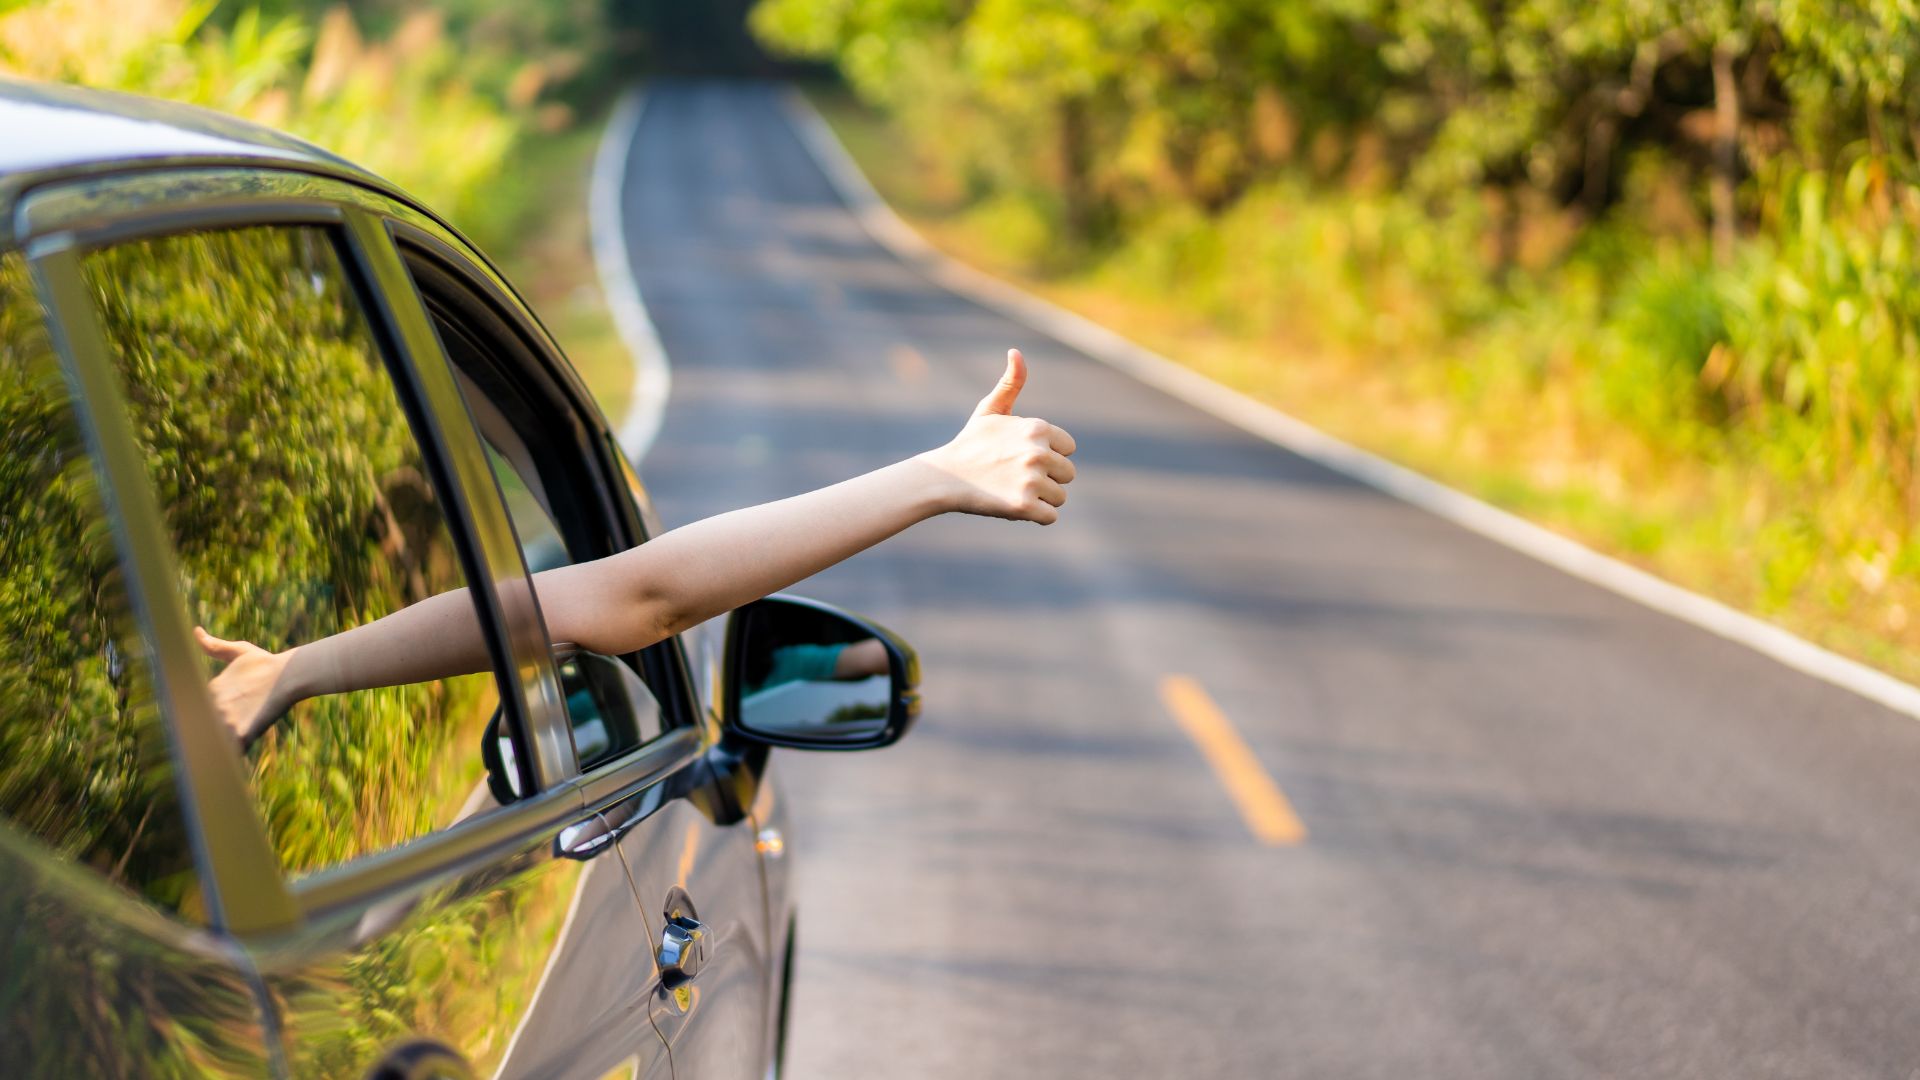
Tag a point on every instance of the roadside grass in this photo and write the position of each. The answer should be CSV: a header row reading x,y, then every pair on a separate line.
x,y
1517,413
542,237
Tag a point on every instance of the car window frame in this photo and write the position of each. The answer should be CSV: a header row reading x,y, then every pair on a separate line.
x,y
567,429
687,736
247,892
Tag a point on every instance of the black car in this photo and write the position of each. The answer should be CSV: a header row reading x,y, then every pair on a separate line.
x,y
247,386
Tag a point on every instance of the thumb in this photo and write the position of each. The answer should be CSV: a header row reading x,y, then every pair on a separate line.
x,y
1000,399
218,648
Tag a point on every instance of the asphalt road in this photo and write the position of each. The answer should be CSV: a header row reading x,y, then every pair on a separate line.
x,y
1551,833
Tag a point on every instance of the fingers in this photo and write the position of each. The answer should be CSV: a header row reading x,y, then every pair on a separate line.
x,y
1061,442
1051,493
219,648
1059,469
1000,400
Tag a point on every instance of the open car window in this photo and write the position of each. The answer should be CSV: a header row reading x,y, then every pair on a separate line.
x,y
552,490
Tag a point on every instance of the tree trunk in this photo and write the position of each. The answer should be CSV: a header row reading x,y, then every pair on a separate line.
x,y
1598,171
1075,180
1726,152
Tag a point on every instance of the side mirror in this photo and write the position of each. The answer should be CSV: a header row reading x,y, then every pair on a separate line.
x,y
502,762
802,674
609,708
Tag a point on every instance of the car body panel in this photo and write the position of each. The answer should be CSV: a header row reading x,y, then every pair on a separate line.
x,y
690,858
99,984
58,132
527,965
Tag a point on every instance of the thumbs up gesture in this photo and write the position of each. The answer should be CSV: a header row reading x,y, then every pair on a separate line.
x,y
1008,466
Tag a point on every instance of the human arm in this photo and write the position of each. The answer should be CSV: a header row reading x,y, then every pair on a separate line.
x,y
999,465
861,660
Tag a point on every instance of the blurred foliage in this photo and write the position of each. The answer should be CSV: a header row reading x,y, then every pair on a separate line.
x,y
299,506
83,760
464,80
1665,245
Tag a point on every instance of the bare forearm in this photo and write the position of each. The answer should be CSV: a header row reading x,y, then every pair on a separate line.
x,y
689,575
437,638
628,601
999,465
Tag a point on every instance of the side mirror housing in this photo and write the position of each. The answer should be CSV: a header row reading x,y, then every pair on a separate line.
x,y
803,674
504,779
609,708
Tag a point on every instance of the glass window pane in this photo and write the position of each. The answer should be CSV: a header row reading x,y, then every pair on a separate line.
x,y
611,708
84,763
300,506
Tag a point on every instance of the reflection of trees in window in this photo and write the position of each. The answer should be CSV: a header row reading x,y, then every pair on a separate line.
x,y
462,967
96,990
83,761
299,507
858,711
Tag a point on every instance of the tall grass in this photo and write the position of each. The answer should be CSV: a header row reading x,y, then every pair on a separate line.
x,y
436,107
1751,429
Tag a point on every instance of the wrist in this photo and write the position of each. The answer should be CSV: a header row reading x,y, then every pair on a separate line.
x,y
937,484
296,682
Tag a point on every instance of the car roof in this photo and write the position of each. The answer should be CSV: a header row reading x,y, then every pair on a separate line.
x,y
55,130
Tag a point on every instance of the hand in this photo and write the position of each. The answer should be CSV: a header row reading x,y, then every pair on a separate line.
x,y
1008,466
244,691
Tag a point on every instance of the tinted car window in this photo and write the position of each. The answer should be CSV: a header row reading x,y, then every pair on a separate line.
x,y
559,519
84,763
300,506
609,707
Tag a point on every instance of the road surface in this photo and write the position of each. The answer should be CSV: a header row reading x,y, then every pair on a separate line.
x,y
1549,832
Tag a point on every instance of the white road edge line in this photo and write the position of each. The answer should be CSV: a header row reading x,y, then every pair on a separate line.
x,y
553,961
607,221
1315,445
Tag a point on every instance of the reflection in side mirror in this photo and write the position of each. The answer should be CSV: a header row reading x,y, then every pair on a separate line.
x,y
802,674
503,765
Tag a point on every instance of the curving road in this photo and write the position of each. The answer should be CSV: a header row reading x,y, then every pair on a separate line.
x,y
1550,833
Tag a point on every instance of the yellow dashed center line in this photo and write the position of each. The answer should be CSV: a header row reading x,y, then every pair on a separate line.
x,y
1264,807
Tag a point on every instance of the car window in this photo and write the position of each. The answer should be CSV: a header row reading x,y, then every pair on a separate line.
x,y
300,505
611,709
84,763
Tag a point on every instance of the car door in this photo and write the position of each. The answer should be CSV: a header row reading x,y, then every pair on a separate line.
x,y
647,755
310,466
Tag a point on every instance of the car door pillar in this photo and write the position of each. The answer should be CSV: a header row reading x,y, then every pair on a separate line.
x,y
517,607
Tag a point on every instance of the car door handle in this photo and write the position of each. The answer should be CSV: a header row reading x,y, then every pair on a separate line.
x,y
684,946
584,839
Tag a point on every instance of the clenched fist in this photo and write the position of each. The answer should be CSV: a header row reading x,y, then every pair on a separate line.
x,y
1007,466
